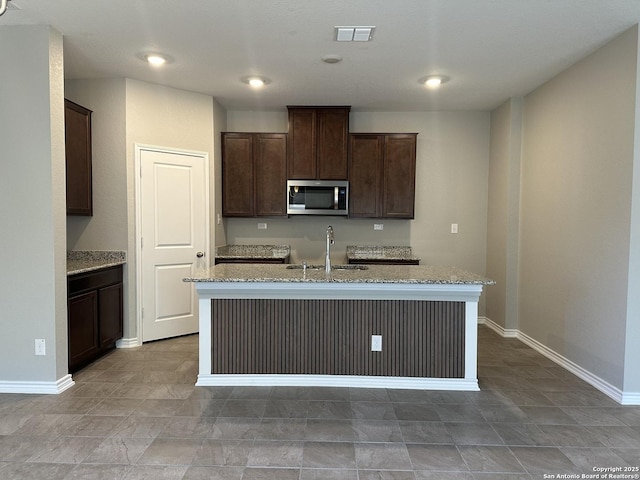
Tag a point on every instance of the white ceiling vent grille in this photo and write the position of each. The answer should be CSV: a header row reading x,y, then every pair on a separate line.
x,y
354,34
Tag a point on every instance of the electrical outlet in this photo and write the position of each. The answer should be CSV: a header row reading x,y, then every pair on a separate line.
x,y
376,343
262,226
40,347
454,228
218,219
378,226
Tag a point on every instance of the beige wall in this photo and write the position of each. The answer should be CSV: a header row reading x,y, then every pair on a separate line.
x,y
503,214
107,228
217,233
126,112
632,338
577,171
162,117
451,187
33,291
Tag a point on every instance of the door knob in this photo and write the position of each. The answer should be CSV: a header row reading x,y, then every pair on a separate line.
x,y
200,254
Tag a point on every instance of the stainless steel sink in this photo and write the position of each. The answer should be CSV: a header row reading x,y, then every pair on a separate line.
x,y
333,267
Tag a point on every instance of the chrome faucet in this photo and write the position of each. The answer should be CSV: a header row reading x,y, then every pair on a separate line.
x,y
330,241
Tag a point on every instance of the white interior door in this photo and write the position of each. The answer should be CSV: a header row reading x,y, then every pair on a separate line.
x,y
173,216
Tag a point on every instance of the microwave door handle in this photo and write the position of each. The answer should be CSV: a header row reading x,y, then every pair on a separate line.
x,y
335,197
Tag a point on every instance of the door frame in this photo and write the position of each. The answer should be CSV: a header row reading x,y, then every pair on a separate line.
x,y
139,148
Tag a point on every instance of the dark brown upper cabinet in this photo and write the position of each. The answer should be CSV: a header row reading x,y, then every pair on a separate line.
x,y
382,172
254,174
318,143
77,121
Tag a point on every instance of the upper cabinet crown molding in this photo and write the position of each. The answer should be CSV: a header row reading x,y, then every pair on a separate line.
x,y
318,143
77,120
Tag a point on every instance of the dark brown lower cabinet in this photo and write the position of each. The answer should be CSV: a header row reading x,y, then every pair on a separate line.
x,y
95,314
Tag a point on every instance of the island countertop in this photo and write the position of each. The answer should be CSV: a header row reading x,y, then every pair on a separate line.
x,y
391,274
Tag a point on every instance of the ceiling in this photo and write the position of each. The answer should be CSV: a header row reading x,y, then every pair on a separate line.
x,y
490,49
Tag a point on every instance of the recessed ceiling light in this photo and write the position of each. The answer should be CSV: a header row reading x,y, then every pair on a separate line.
x,y
433,81
331,58
256,81
155,59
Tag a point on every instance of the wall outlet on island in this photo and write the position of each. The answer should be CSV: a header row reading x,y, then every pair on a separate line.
x,y
40,347
376,343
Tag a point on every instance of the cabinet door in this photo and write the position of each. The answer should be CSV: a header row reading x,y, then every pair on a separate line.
x,y
82,327
77,121
301,149
333,133
237,175
399,176
365,175
270,161
110,311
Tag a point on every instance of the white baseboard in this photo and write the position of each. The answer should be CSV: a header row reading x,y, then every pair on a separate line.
x,y
624,398
630,399
128,343
499,329
47,388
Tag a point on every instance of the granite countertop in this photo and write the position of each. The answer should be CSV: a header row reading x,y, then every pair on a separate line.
x,y
380,253
407,274
253,251
81,261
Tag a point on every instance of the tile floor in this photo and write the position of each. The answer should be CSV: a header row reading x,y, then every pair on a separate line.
x,y
135,414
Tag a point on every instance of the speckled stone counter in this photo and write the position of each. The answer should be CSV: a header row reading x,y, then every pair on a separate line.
x,y
255,253
81,261
387,274
381,254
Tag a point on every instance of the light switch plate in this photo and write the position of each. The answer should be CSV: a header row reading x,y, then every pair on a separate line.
x,y
262,226
378,226
454,228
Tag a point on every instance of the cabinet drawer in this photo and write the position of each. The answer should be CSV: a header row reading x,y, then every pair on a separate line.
x,y
83,282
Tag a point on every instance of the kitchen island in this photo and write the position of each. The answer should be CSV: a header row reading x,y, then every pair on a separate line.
x,y
285,325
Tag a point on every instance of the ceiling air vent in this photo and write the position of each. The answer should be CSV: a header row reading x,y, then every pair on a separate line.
x,y
354,34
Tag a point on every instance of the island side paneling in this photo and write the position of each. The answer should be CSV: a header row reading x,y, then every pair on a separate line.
x,y
333,337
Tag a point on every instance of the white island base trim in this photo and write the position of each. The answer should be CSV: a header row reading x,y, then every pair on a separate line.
x,y
356,381
469,294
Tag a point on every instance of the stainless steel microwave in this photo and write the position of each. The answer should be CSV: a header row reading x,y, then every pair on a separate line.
x,y
318,197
